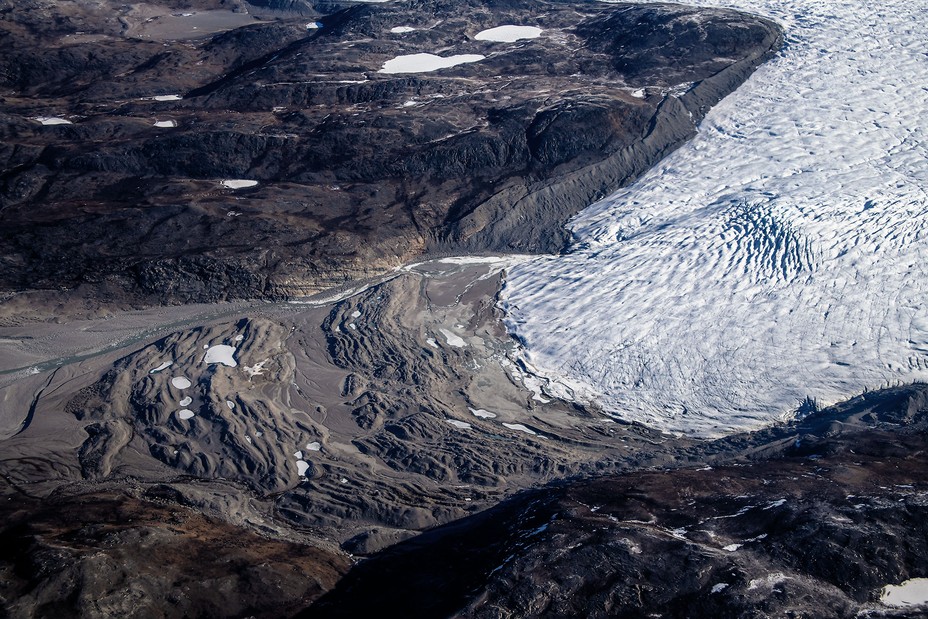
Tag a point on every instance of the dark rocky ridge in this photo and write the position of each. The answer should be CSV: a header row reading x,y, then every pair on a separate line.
x,y
814,524
359,170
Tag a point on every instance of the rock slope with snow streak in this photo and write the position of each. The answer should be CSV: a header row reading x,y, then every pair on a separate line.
x,y
779,255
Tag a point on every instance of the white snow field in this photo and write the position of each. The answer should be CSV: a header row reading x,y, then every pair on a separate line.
x,y
424,63
913,592
508,34
780,254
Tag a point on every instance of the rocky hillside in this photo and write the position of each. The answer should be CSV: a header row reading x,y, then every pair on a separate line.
x,y
813,520
118,129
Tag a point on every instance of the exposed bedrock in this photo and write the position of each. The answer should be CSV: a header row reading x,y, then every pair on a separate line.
x,y
817,526
358,170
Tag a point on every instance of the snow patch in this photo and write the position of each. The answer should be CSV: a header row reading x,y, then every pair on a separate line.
x,y
431,342
165,124
301,467
163,366
482,414
424,63
314,446
186,401
181,382
509,34
221,353
314,25
185,414
912,592
230,404
520,428
719,587
256,369
52,120
402,29
452,339
238,183
459,424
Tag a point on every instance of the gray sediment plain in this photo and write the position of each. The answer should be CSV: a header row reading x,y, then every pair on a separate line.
x,y
344,426
352,427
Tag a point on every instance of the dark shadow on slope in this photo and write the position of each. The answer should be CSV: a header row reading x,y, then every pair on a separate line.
x,y
438,572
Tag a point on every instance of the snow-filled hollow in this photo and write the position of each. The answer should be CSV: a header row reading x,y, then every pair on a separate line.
x,y
508,34
221,353
425,63
780,254
181,382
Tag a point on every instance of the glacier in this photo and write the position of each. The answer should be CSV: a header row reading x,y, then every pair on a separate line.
x,y
782,254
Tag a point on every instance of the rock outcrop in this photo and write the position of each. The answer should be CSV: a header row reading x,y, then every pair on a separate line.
x,y
810,520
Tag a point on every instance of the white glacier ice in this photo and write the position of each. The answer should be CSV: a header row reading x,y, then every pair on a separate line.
x,y
782,253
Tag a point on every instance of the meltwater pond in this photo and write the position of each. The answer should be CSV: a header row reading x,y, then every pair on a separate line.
x,y
782,253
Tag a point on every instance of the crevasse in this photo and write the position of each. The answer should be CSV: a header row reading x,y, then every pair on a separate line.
x,y
782,253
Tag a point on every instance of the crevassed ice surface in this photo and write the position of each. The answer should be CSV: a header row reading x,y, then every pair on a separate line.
x,y
782,253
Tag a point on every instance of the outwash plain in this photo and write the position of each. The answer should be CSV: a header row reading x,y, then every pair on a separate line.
x,y
253,361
